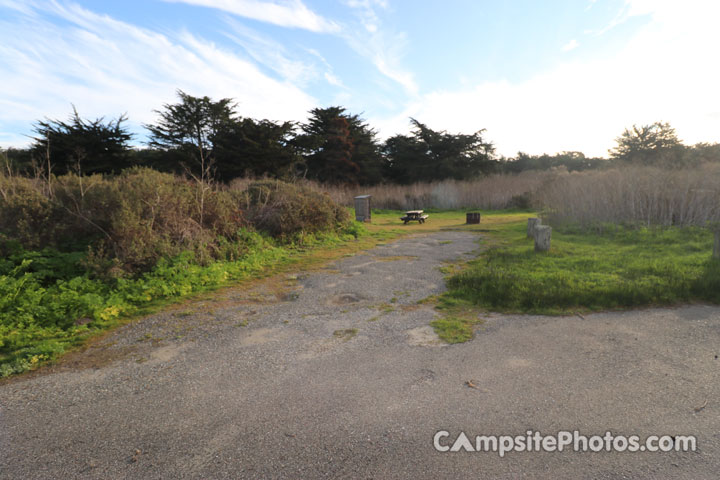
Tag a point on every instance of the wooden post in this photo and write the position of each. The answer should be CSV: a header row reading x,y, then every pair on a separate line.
x,y
362,208
532,223
716,247
542,238
472,218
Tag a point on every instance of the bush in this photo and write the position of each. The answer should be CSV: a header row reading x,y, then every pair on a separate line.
x,y
127,222
26,214
284,209
159,215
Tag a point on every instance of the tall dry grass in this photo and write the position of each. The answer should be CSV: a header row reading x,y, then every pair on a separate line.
x,y
634,195
492,192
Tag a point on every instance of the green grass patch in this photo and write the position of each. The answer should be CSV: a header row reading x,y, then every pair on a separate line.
x,y
617,269
345,334
388,221
453,330
386,308
458,321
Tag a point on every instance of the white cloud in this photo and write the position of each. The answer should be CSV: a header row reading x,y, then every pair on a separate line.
x,y
666,71
383,47
329,75
272,55
122,68
287,13
333,80
572,44
365,10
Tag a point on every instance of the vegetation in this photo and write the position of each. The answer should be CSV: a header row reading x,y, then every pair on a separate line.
x,y
571,161
128,222
79,254
621,267
655,144
345,334
339,148
428,155
191,128
632,196
453,329
492,192
81,146
208,138
285,210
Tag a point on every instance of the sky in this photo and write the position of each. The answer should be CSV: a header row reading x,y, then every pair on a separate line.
x,y
539,77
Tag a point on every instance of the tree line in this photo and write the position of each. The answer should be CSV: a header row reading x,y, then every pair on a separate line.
x,y
208,139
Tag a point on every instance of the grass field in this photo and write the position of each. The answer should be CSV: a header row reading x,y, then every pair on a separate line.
x,y
583,271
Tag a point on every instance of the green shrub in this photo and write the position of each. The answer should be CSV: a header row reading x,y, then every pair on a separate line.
x,y
128,222
159,215
26,213
284,209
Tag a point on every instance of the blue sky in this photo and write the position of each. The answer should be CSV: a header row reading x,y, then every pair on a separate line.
x,y
539,76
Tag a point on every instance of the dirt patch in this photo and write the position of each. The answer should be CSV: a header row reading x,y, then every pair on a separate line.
x,y
395,258
424,337
345,299
260,336
165,354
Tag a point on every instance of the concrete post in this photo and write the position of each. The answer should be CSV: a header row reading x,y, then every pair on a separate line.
x,y
542,238
472,218
532,223
362,208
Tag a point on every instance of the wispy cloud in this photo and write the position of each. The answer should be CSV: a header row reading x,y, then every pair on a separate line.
x,y
571,45
333,80
365,10
383,47
287,13
663,72
121,68
631,9
272,55
329,73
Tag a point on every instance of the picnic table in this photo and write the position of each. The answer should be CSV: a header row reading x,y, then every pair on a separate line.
x,y
411,215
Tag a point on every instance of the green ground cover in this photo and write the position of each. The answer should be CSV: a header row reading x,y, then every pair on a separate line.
x,y
619,268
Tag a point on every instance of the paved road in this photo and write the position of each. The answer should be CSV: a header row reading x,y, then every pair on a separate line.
x,y
274,382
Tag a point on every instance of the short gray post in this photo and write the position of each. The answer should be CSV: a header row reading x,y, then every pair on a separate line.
x,y
532,223
362,208
542,238
716,247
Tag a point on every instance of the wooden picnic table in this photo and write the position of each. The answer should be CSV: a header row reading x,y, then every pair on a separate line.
x,y
411,215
